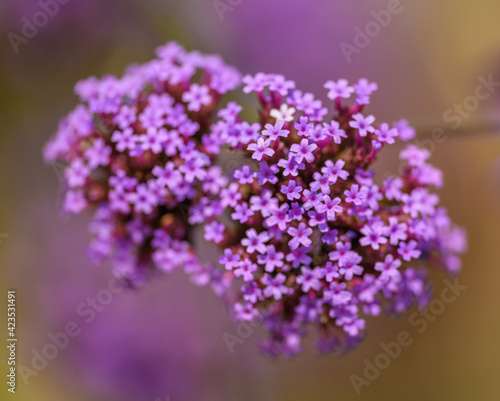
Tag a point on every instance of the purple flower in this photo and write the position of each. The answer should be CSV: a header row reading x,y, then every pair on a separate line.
x,y
340,88
143,199
291,190
176,117
354,326
118,201
300,236
229,259
267,173
230,112
411,205
389,268
255,242
197,96
415,156
249,132
309,279
153,140
120,181
373,196
341,250
362,124
214,181
296,211
321,183
355,195
333,130
304,127
337,294
330,237
244,176
279,84
126,116
364,177
309,309
330,272
77,174
188,152
317,219
279,216
349,265
396,231
303,151
242,213
291,166
98,154
273,132
299,256
255,84
251,292
264,204
214,232
385,134
364,89
306,103
274,286
313,199
152,117
172,142
245,269
405,131
330,207
230,196
271,259
317,134
261,148
246,312
373,235
392,188
334,171
75,201
409,251
193,169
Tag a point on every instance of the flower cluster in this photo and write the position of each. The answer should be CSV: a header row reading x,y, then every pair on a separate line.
x,y
310,237
138,155
314,239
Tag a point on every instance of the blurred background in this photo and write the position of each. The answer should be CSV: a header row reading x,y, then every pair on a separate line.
x,y
165,342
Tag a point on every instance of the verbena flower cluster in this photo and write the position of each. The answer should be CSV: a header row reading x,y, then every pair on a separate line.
x,y
315,239
139,155
310,237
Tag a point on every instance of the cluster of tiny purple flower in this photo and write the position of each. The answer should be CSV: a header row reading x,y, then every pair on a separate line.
x,y
309,236
314,240
139,157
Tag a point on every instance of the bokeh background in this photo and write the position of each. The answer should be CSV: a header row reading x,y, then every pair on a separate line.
x,y
166,340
